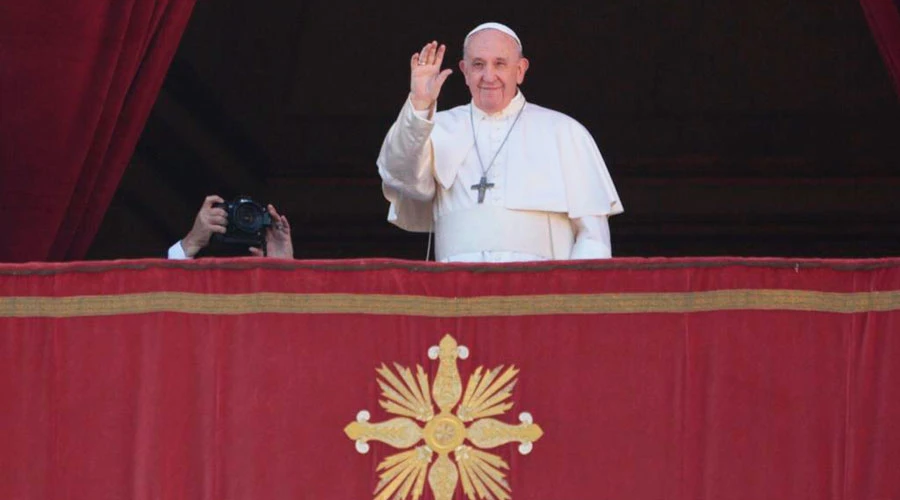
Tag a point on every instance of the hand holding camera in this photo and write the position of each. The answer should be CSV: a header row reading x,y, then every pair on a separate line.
x,y
210,219
277,237
240,222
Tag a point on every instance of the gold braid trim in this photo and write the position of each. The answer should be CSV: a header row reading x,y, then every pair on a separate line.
x,y
442,307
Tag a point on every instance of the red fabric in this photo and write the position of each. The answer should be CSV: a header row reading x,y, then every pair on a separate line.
x,y
707,378
77,81
884,21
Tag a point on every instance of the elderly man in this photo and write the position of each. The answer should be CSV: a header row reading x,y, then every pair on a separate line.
x,y
499,179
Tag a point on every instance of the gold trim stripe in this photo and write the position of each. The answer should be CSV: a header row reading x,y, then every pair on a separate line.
x,y
444,307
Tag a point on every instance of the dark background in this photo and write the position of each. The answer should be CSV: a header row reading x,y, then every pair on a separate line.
x,y
763,128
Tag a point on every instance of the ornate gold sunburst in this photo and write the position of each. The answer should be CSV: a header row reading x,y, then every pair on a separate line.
x,y
487,394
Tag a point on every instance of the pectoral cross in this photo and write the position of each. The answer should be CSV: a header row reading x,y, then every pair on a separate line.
x,y
482,187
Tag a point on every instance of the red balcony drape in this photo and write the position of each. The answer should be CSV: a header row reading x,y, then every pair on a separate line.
x,y
650,378
77,82
884,21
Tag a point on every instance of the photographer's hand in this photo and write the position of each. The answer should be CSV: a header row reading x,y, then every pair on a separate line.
x,y
278,238
209,220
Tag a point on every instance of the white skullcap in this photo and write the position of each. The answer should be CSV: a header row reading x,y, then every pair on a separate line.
x,y
495,26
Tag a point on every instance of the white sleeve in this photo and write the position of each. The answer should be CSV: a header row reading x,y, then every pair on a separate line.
x,y
591,238
176,252
406,160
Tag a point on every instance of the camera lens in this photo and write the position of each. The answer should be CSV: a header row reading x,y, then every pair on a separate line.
x,y
248,217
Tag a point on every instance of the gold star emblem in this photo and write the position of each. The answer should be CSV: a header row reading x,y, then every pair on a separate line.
x,y
464,433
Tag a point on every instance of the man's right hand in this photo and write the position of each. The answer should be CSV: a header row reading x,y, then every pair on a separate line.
x,y
426,77
209,220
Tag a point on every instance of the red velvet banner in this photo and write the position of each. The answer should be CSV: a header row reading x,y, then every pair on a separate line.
x,y
637,378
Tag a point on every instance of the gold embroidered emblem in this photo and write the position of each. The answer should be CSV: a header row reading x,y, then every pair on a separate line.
x,y
487,395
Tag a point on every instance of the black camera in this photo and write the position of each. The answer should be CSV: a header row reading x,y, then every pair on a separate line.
x,y
247,223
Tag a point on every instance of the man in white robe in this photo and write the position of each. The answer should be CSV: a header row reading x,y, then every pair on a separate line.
x,y
499,179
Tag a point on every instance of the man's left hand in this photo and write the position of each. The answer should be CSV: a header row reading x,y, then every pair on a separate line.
x,y
278,238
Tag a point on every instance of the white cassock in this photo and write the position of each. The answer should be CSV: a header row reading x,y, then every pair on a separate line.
x,y
552,192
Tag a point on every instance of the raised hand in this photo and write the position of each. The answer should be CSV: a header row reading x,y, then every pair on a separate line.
x,y
209,220
426,77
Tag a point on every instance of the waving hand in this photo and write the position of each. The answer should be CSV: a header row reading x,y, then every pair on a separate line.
x,y
426,77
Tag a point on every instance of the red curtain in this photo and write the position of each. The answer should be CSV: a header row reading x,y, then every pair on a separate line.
x,y
650,378
884,21
77,81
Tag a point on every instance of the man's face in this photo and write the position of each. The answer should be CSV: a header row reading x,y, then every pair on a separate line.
x,y
493,69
